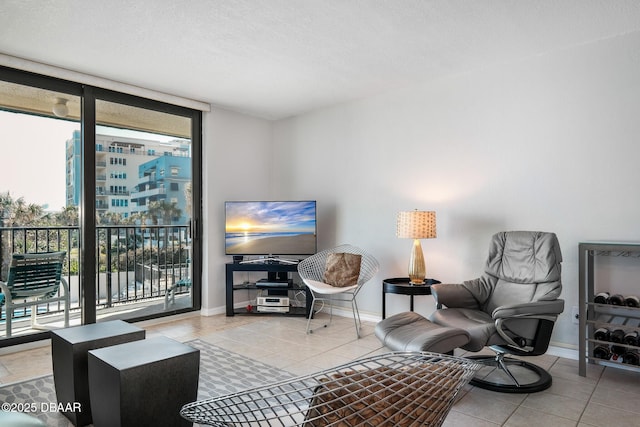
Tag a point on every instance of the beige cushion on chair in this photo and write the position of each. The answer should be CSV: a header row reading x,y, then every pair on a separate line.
x,y
342,269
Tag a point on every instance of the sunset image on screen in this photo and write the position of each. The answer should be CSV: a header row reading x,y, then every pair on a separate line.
x,y
270,227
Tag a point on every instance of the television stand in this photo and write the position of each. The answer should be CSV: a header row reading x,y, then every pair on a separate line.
x,y
275,272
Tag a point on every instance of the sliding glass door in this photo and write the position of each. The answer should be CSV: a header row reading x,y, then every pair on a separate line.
x,y
37,116
144,155
112,180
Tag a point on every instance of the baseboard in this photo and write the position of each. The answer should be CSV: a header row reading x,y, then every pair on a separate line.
x,y
564,352
213,311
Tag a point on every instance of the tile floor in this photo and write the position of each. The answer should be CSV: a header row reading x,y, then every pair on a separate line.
x,y
605,397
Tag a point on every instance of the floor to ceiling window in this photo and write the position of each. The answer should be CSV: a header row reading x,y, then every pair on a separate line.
x,y
144,208
112,180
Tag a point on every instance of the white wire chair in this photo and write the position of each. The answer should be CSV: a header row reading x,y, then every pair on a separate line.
x,y
311,271
402,389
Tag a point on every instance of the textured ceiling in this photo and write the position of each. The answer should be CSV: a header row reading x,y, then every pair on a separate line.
x,y
277,58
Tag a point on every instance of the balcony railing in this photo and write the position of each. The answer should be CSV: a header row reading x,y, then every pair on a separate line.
x,y
134,262
158,191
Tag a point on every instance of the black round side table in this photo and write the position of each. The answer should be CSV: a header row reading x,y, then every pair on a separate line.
x,y
402,286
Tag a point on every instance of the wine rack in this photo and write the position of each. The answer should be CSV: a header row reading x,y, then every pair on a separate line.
x,y
601,315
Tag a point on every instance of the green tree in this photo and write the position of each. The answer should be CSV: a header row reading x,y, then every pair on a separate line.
x,y
111,218
6,206
17,213
163,211
188,196
67,216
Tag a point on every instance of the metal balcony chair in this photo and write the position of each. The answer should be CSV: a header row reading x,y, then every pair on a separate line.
x,y
170,294
34,279
312,272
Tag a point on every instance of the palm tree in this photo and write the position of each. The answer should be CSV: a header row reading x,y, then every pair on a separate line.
x,y
16,213
6,207
67,216
163,210
188,198
171,212
10,208
112,218
22,214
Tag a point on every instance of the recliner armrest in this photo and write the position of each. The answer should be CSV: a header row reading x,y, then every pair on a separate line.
x,y
453,296
533,309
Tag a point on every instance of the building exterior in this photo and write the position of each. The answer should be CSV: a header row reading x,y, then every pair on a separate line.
x,y
163,180
126,166
73,168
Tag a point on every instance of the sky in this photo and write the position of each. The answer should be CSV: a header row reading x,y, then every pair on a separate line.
x,y
33,158
271,216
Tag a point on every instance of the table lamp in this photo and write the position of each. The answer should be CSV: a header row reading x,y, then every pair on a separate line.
x,y
416,225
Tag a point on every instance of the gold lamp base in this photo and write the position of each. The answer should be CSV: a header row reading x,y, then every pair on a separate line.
x,y
417,269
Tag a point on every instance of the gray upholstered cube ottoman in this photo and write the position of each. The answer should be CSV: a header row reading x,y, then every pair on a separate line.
x,y
143,383
410,331
69,347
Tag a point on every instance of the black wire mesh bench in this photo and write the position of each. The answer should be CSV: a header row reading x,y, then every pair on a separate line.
x,y
393,389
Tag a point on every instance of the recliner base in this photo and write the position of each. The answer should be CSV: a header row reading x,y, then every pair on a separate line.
x,y
510,375
410,331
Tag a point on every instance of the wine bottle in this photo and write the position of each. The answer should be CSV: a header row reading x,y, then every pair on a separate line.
x,y
602,352
631,357
617,336
616,299
632,338
602,298
602,334
632,301
617,351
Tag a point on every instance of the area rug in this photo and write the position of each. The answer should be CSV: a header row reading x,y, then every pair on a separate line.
x,y
221,372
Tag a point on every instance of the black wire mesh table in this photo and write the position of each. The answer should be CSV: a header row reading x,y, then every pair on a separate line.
x,y
393,389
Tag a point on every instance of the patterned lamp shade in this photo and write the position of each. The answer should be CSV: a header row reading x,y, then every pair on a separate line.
x,y
416,225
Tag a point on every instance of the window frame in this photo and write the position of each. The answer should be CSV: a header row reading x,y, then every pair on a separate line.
x,y
88,96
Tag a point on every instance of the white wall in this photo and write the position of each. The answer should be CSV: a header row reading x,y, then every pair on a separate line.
x,y
550,143
236,153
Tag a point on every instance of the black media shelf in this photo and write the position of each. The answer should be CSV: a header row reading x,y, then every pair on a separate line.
x,y
274,272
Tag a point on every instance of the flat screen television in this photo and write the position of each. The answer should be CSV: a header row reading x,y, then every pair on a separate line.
x,y
270,228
